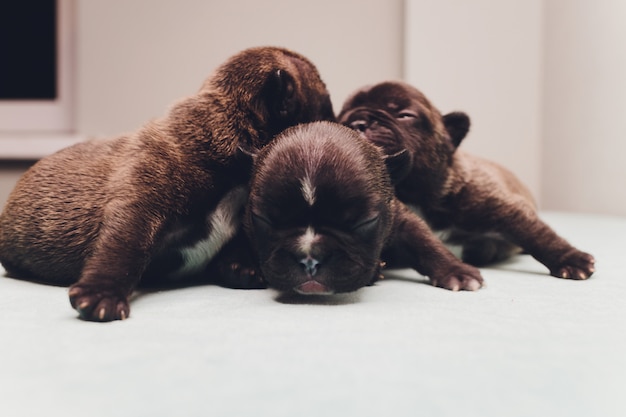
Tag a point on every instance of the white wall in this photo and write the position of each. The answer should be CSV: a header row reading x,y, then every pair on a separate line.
x,y
543,80
484,57
585,106
136,57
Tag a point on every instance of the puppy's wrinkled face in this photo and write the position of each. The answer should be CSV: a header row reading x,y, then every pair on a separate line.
x,y
396,116
319,210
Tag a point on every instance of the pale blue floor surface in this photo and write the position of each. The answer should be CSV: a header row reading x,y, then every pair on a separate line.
x,y
526,345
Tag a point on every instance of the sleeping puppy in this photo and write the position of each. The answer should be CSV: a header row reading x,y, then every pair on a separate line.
x,y
323,219
160,202
479,204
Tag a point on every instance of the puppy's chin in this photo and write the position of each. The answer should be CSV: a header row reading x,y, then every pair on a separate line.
x,y
317,285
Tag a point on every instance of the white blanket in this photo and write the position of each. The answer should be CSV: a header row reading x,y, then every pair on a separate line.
x,y
526,345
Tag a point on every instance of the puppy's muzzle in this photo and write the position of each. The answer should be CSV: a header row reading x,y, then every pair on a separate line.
x,y
310,265
312,286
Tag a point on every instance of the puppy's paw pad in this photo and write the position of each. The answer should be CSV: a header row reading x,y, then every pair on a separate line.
x,y
472,284
238,276
468,279
95,303
577,265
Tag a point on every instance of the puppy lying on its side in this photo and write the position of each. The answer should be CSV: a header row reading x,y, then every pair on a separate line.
x,y
482,205
323,219
159,202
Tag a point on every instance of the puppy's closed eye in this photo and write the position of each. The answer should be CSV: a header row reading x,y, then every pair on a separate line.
x,y
415,119
262,222
367,226
407,115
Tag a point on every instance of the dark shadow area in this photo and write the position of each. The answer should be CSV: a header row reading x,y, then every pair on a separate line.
x,y
325,300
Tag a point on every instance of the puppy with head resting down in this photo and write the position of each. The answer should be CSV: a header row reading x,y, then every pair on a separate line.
x,y
323,219
160,202
478,203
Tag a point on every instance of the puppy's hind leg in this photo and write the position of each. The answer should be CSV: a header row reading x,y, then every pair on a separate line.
x,y
526,229
485,250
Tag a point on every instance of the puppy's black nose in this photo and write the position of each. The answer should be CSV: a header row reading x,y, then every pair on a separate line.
x,y
359,125
310,265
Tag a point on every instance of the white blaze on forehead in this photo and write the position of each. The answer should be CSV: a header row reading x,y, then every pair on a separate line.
x,y
307,240
308,190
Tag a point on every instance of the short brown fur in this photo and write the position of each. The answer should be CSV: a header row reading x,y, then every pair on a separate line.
x,y
357,222
97,214
481,205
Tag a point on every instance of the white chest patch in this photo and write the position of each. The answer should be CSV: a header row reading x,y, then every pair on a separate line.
x,y
222,223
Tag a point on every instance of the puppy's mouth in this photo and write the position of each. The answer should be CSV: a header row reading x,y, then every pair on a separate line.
x,y
313,287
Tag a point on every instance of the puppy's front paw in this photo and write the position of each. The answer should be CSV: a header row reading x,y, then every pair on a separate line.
x,y
98,302
238,276
574,265
465,277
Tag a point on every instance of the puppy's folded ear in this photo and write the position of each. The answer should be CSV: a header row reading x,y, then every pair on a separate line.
x,y
281,95
398,165
457,124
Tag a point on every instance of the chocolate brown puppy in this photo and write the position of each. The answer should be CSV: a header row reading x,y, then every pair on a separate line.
x,y
323,218
160,202
478,203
